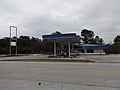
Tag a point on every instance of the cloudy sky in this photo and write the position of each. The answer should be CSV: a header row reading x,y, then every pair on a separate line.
x,y
37,17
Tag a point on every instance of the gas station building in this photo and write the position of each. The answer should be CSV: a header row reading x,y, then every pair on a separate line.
x,y
73,44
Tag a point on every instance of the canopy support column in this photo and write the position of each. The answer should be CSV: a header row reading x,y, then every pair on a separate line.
x,y
73,49
69,48
54,48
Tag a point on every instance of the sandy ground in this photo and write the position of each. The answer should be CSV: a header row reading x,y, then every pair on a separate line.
x,y
98,58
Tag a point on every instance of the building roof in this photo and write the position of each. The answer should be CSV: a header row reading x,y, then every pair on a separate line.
x,y
62,38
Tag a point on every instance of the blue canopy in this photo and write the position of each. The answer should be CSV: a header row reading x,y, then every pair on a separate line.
x,y
68,37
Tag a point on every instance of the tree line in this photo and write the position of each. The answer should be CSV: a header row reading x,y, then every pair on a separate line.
x,y
88,37
115,47
26,45
33,45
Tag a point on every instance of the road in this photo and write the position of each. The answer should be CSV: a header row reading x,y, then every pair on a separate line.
x,y
59,76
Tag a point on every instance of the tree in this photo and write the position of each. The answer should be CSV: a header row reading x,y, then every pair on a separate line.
x,y
87,36
4,45
35,45
24,41
24,45
115,47
47,46
117,39
117,43
57,32
98,40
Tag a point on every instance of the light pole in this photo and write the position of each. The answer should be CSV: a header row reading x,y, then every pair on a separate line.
x,y
11,40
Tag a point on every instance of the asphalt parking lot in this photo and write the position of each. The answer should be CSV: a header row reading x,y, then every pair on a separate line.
x,y
59,76
102,75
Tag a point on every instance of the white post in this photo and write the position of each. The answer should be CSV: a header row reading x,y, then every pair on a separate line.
x,y
16,40
85,50
10,42
69,48
54,48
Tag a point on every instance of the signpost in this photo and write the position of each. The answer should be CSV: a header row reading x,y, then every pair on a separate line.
x,y
13,43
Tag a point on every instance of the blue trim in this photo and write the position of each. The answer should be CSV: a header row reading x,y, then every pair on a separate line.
x,y
85,47
92,47
68,35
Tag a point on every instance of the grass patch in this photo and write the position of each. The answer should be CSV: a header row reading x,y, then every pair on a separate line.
x,y
52,60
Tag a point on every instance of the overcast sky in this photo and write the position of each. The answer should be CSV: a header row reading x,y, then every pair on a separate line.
x,y
38,17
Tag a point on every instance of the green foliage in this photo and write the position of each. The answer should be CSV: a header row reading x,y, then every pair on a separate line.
x,y
115,47
88,37
57,32
4,45
32,45
117,39
98,40
26,45
47,46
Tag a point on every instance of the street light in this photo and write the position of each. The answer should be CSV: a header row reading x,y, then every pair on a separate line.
x,y
11,40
